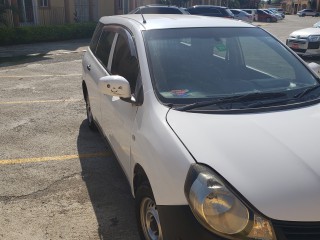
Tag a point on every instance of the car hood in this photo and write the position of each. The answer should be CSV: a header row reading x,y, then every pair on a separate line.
x,y
305,32
272,159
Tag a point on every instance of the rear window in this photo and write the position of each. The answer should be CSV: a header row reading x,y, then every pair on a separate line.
x,y
162,10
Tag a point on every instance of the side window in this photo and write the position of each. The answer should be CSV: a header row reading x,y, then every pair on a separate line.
x,y
123,63
95,37
104,47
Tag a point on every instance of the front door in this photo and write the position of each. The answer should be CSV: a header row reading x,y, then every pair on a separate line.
x,y
120,115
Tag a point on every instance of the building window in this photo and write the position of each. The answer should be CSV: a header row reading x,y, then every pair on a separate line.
x,y
44,3
120,4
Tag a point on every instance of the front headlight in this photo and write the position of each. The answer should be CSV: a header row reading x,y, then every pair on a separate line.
x,y
220,210
314,38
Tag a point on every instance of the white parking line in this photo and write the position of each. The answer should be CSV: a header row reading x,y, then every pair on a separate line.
x,y
46,75
54,158
41,101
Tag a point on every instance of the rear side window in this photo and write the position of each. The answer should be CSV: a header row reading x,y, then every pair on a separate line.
x,y
104,47
162,10
95,37
208,11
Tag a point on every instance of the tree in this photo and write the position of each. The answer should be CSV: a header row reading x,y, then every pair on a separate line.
x,y
3,13
234,4
5,10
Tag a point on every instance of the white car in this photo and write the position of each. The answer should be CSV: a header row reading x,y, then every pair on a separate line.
x,y
305,42
307,12
214,122
242,15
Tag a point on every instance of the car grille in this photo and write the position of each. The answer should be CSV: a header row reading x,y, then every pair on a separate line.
x,y
297,41
300,51
297,230
313,45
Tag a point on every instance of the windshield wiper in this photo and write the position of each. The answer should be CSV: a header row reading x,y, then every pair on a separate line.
x,y
306,91
237,98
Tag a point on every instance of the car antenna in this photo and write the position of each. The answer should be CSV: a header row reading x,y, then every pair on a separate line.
x,y
144,20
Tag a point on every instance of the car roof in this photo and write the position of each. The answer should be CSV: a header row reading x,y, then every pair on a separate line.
x,y
166,21
208,6
158,5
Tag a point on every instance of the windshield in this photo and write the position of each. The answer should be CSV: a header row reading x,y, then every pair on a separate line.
x,y
200,64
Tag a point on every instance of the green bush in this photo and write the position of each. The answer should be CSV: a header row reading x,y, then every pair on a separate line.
x,y
32,34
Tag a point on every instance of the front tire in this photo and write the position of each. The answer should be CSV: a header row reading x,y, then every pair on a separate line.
x,y
147,214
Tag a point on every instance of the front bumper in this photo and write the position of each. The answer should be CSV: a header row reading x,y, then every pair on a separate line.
x,y
178,223
303,47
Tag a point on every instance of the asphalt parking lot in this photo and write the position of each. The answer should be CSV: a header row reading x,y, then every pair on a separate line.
x,y
59,180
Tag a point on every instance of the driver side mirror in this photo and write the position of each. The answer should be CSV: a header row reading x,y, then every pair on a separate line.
x,y
115,85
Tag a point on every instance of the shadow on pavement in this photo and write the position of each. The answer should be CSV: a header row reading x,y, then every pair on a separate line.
x,y
26,53
12,61
108,188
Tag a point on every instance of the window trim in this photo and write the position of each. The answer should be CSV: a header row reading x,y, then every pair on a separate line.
x,y
44,3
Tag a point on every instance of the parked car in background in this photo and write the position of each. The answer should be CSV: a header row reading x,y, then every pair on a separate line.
x,y
316,25
275,11
253,12
242,15
265,17
280,10
305,42
158,9
307,12
214,122
211,11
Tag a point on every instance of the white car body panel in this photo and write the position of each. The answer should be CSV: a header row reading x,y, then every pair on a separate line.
x,y
275,169
306,32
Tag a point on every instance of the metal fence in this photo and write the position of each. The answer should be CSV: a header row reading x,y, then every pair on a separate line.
x,y
81,13
33,16
52,16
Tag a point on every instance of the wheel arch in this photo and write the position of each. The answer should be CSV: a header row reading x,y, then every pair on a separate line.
x,y
84,89
139,177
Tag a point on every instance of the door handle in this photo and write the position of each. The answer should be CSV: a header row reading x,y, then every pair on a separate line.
x,y
89,67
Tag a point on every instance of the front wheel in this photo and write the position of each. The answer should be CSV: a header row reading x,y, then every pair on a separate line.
x,y
147,214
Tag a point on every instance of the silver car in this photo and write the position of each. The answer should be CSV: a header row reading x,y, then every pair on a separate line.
x,y
242,15
305,42
307,12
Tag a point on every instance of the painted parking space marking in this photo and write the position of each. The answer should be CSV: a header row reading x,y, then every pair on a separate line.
x,y
45,75
55,158
40,101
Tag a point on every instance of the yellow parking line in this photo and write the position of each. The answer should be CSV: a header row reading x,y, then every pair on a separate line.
x,y
54,158
47,75
41,101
